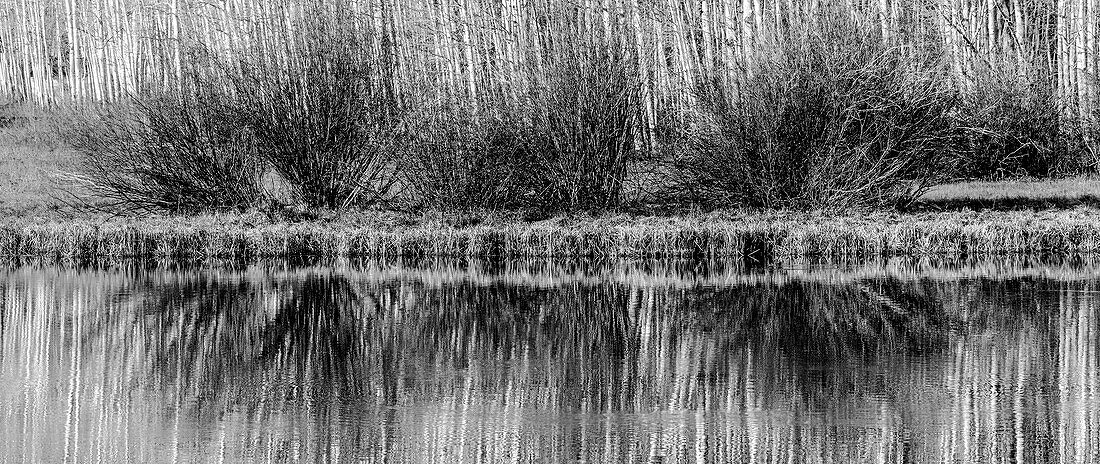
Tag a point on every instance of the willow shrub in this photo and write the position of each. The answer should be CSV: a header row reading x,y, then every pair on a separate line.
x,y
830,117
181,152
568,144
1013,125
460,161
585,137
321,124
326,120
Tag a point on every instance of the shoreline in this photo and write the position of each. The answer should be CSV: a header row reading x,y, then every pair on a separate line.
x,y
435,272
759,236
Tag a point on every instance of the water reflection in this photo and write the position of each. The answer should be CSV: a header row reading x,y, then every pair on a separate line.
x,y
443,364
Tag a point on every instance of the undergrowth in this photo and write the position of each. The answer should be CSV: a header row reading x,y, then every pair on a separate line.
x,y
829,115
181,152
1014,125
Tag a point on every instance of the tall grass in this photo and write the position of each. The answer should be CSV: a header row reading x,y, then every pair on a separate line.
x,y
717,236
834,116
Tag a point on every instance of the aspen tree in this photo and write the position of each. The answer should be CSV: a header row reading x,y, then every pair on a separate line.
x,y
746,30
480,50
642,62
31,47
711,34
1080,55
404,48
57,66
454,73
468,49
758,16
174,40
11,56
1019,37
45,71
1061,36
1087,56
660,58
731,45
509,45
7,81
25,81
684,53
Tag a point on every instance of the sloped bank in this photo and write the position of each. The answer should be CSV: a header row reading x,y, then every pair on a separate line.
x,y
717,235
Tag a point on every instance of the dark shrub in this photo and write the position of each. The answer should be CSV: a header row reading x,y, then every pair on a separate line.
x,y
182,152
326,120
569,145
584,138
829,117
1013,125
466,162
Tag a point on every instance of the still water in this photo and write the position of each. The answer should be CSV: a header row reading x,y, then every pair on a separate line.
x,y
446,361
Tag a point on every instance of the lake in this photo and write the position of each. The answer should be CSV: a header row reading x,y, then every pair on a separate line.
x,y
550,361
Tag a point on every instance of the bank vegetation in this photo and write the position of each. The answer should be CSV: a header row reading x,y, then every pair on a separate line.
x,y
758,237
556,106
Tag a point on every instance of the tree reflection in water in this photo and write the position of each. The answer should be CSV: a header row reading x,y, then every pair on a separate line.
x,y
319,364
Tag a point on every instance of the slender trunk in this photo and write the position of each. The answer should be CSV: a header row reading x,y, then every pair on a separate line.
x,y
1019,46
174,41
747,31
884,17
468,47
1080,56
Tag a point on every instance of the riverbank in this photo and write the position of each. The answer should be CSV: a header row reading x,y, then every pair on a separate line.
x,y
728,235
49,216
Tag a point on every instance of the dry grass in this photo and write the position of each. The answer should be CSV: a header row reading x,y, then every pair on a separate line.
x,y
28,163
764,236
33,164
1014,194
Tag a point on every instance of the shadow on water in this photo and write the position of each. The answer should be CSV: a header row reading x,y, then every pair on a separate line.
x,y
314,363
304,331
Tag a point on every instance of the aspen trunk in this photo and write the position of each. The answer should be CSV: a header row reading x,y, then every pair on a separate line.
x,y
1080,56
482,50
468,49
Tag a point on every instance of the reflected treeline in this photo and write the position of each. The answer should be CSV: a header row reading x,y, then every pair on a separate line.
x,y
382,365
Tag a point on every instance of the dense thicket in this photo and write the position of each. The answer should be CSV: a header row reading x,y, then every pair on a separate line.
x,y
558,105
185,151
325,120
833,116
1013,124
572,144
